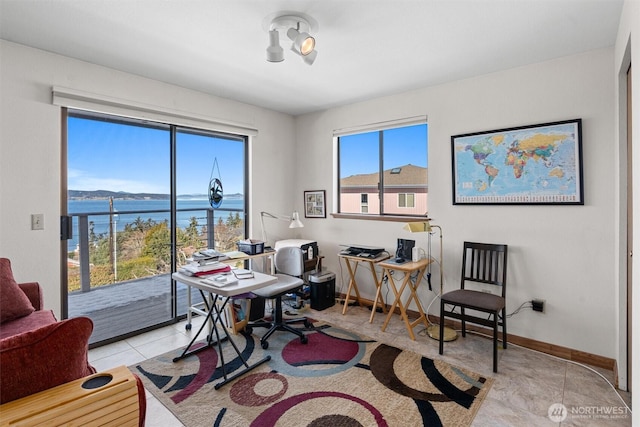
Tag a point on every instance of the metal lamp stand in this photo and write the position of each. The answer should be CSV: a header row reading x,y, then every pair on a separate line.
x,y
434,330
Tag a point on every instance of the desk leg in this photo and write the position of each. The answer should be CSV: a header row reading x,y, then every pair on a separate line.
x,y
395,299
188,325
378,299
422,315
352,284
214,315
398,303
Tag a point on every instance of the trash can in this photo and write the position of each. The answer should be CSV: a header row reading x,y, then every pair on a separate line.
x,y
323,290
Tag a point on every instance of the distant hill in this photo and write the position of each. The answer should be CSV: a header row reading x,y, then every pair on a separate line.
x,y
117,195
122,195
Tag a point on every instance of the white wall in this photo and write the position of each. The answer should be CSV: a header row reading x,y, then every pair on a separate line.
x,y
563,254
30,149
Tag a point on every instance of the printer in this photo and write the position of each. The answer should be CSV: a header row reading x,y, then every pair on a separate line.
x,y
309,247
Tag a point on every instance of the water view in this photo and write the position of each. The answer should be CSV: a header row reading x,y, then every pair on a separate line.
x,y
145,209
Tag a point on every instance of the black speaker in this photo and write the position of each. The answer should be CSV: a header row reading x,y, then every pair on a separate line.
x,y
405,248
323,290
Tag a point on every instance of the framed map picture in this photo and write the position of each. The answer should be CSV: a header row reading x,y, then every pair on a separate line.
x,y
539,164
314,204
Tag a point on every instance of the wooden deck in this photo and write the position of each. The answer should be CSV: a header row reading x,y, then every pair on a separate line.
x,y
123,308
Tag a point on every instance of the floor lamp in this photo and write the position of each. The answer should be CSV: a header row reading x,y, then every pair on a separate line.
x,y
294,221
425,226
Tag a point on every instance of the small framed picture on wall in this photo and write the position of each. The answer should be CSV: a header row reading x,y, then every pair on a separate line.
x,y
315,204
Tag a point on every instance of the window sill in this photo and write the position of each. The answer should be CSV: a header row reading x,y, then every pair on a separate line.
x,y
387,218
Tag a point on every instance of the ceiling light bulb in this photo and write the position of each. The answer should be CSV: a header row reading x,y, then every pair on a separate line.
x,y
306,47
275,53
302,42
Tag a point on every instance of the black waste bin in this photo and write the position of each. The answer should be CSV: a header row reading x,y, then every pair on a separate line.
x,y
323,290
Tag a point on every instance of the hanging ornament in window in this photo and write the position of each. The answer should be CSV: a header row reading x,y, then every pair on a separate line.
x,y
216,193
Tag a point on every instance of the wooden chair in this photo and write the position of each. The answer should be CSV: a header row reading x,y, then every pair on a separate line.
x,y
484,264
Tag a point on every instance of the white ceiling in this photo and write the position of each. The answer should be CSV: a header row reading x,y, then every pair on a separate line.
x,y
366,48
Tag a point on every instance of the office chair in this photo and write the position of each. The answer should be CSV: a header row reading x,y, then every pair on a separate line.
x,y
486,264
289,263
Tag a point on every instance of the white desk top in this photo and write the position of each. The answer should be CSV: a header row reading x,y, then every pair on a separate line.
x,y
259,280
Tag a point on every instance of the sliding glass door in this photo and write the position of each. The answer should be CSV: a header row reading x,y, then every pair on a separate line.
x,y
138,197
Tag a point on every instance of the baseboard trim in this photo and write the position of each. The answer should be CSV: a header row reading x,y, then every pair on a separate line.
x,y
559,351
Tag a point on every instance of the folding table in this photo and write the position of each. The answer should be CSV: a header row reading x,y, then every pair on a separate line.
x,y
409,268
215,298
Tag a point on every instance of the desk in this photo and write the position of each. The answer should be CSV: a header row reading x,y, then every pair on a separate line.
x,y
352,266
199,308
214,312
408,268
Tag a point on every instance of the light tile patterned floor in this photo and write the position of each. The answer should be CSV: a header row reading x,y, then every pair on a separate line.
x,y
527,383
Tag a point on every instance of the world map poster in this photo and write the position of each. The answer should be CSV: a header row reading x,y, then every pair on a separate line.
x,y
540,164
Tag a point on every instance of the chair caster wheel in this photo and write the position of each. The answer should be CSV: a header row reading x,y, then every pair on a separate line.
x,y
304,339
264,345
308,324
187,326
248,330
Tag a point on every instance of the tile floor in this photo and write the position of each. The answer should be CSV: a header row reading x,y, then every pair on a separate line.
x,y
527,383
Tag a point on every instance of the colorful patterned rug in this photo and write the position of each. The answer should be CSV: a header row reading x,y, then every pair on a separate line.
x,y
338,378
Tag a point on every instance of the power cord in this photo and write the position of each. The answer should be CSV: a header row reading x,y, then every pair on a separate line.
x,y
528,304
589,368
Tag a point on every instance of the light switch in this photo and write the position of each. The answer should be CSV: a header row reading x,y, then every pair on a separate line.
x,y
37,221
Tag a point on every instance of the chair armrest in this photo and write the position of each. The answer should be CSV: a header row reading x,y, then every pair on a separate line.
x,y
142,401
33,291
45,357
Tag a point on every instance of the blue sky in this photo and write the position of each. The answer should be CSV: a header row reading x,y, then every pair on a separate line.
x,y
401,146
135,159
107,156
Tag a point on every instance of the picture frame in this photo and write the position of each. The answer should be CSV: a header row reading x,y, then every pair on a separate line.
x,y
528,165
315,204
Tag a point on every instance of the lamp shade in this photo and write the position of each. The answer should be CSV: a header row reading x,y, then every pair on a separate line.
x,y
310,59
303,43
418,226
275,53
295,221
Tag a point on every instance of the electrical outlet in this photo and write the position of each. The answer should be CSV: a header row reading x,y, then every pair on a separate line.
x,y
37,221
538,305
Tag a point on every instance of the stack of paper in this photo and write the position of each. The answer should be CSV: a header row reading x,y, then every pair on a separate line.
x,y
196,269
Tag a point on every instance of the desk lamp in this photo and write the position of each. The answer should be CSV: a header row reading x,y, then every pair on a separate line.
x,y
294,221
425,226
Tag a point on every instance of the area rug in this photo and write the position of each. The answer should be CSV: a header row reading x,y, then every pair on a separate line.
x,y
339,378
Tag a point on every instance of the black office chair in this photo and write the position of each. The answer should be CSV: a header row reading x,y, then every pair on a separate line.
x,y
289,263
486,264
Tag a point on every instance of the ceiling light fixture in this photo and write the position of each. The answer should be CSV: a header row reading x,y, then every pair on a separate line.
x,y
275,53
297,28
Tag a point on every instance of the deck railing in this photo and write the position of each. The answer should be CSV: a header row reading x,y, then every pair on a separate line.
x,y
205,222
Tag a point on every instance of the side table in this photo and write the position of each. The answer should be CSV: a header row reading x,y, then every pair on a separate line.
x,y
353,262
408,268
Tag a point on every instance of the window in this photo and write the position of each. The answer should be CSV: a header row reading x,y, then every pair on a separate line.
x,y
139,203
406,200
364,203
383,172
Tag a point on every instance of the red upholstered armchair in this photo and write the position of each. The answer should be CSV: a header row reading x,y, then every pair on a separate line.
x,y
37,352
